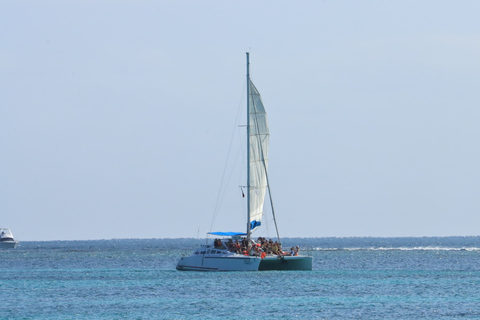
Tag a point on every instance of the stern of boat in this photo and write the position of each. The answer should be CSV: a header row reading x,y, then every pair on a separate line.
x,y
297,263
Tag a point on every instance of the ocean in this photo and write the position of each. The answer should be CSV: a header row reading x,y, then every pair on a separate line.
x,y
352,278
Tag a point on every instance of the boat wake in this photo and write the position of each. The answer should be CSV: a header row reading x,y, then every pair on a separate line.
x,y
399,249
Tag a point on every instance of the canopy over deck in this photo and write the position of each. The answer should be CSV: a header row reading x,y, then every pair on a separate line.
x,y
228,234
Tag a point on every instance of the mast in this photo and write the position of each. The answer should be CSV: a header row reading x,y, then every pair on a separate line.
x,y
248,147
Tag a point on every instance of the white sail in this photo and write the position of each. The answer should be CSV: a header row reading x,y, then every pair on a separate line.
x,y
259,137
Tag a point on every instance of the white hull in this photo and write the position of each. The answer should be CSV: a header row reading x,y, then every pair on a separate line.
x,y
243,263
208,258
234,262
8,244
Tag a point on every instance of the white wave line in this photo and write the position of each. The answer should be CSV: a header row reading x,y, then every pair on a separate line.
x,y
399,249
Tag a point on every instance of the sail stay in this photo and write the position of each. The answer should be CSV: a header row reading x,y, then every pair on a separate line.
x,y
258,150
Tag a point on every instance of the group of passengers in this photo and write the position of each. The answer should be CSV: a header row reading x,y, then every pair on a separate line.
x,y
261,247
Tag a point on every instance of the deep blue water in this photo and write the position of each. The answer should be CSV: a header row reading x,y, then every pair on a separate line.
x,y
352,278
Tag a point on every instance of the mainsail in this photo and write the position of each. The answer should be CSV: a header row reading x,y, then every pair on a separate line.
x,y
258,152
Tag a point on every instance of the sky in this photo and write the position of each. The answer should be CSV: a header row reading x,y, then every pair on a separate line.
x,y
116,117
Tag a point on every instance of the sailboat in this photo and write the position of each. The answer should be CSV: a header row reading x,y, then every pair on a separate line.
x,y
224,253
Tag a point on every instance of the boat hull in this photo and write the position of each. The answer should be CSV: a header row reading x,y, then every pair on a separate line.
x,y
8,244
285,263
202,263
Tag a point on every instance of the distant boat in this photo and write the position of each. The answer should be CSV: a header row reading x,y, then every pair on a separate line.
x,y
6,239
222,255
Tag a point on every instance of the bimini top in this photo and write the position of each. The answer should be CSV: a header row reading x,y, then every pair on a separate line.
x,y
230,234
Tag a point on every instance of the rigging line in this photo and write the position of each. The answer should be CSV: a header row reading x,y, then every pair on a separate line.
x,y
266,171
228,180
242,139
271,203
217,204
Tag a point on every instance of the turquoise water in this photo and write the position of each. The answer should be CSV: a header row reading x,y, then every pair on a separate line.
x,y
352,278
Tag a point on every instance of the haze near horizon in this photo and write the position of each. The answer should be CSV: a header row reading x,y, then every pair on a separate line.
x,y
117,116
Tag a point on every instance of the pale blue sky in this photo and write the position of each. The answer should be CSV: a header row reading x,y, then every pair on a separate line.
x,y
116,116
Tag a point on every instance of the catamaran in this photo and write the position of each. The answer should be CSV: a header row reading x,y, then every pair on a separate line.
x,y
221,255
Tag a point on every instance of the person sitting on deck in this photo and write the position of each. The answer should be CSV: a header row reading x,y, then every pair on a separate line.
x,y
264,246
277,248
255,250
230,246
268,247
243,244
238,248
218,244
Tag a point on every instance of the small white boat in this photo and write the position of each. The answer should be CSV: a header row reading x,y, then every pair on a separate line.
x,y
220,256
6,239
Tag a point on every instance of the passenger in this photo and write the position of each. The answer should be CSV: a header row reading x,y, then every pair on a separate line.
x,y
218,244
292,251
238,248
269,248
244,243
264,246
258,251
297,250
230,245
277,249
